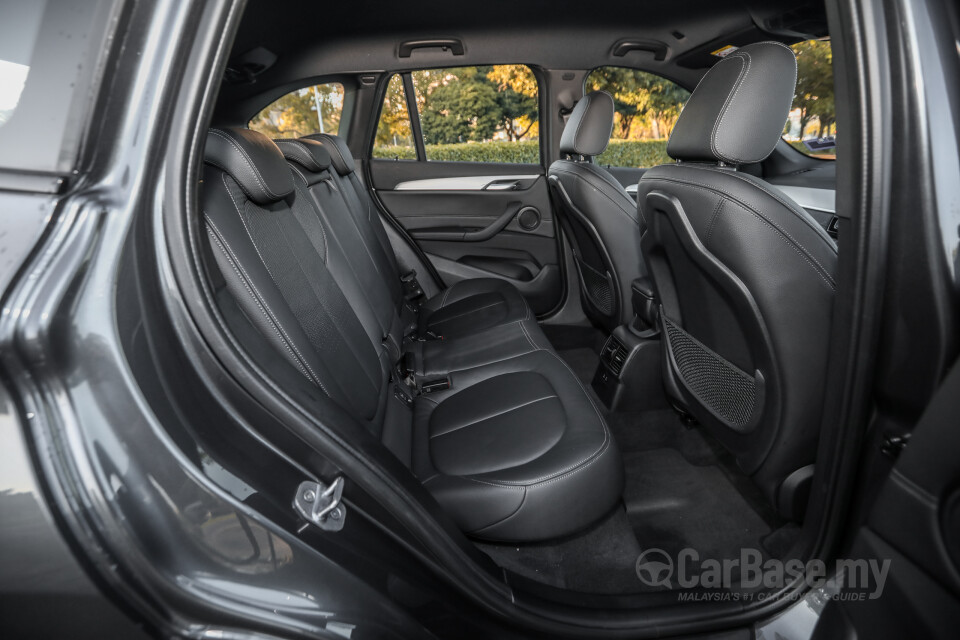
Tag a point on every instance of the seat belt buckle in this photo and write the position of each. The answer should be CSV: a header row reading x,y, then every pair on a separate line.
x,y
405,370
411,287
437,384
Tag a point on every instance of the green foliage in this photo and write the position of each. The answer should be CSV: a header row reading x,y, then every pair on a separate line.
x,y
646,105
394,126
394,152
620,153
814,95
474,104
463,108
634,153
465,104
521,152
295,114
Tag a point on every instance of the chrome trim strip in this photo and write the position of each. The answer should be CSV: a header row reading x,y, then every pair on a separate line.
x,y
460,183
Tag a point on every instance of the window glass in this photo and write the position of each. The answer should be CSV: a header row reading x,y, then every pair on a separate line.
x,y
49,75
314,109
394,136
22,24
479,114
646,108
812,124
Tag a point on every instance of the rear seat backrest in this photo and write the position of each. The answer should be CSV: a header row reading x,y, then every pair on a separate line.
x,y
273,253
361,205
354,248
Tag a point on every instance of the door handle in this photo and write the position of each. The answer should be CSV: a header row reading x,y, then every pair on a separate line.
x,y
503,185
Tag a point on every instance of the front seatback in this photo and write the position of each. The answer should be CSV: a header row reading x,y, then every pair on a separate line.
x,y
597,214
745,277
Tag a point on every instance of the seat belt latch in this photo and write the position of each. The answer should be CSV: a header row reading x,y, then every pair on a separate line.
x,y
411,287
437,384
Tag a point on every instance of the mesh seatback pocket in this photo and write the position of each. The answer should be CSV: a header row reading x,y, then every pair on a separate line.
x,y
598,287
724,389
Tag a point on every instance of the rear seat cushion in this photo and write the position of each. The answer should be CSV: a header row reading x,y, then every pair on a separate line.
x,y
517,450
471,306
437,358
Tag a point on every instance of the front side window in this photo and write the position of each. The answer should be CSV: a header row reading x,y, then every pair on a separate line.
x,y
646,108
812,124
466,114
314,109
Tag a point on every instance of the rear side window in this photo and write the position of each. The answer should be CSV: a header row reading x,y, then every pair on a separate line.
x,y
646,107
465,114
812,124
394,135
313,109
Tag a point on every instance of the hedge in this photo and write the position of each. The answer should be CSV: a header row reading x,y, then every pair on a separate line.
x,y
620,153
634,153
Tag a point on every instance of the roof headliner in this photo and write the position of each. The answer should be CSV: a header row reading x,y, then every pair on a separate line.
x,y
314,39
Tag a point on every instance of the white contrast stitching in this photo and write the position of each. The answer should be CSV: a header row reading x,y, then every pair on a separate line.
x,y
248,161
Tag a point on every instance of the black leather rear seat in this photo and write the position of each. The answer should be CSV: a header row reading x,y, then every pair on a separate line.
x,y
514,450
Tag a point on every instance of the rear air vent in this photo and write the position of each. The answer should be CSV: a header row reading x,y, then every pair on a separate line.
x,y
614,355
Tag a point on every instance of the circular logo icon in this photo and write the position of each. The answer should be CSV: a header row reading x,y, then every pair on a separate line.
x,y
655,568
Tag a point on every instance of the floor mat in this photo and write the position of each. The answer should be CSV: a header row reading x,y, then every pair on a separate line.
x,y
683,491
675,505
600,560
583,361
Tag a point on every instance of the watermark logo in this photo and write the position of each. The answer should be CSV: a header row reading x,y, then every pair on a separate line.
x,y
657,568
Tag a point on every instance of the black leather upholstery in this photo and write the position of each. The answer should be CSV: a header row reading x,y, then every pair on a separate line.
x,y
737,112
746,278
588,129
514,449
339,152
308,153
252,161
522,431
598,214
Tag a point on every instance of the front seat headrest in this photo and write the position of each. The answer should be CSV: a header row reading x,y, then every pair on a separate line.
x,y
253,160
589,127
737,112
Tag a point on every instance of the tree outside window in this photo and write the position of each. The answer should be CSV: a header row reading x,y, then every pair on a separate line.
x,y
314,109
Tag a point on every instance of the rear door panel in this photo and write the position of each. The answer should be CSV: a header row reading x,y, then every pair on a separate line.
x,y
439,203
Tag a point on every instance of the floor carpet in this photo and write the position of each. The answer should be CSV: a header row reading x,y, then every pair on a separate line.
x,y
682,491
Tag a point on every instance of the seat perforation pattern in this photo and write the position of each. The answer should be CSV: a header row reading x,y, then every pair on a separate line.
x,y
723,388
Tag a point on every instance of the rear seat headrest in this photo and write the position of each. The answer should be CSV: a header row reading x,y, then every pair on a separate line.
x,y
340,153
309,154
253,160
